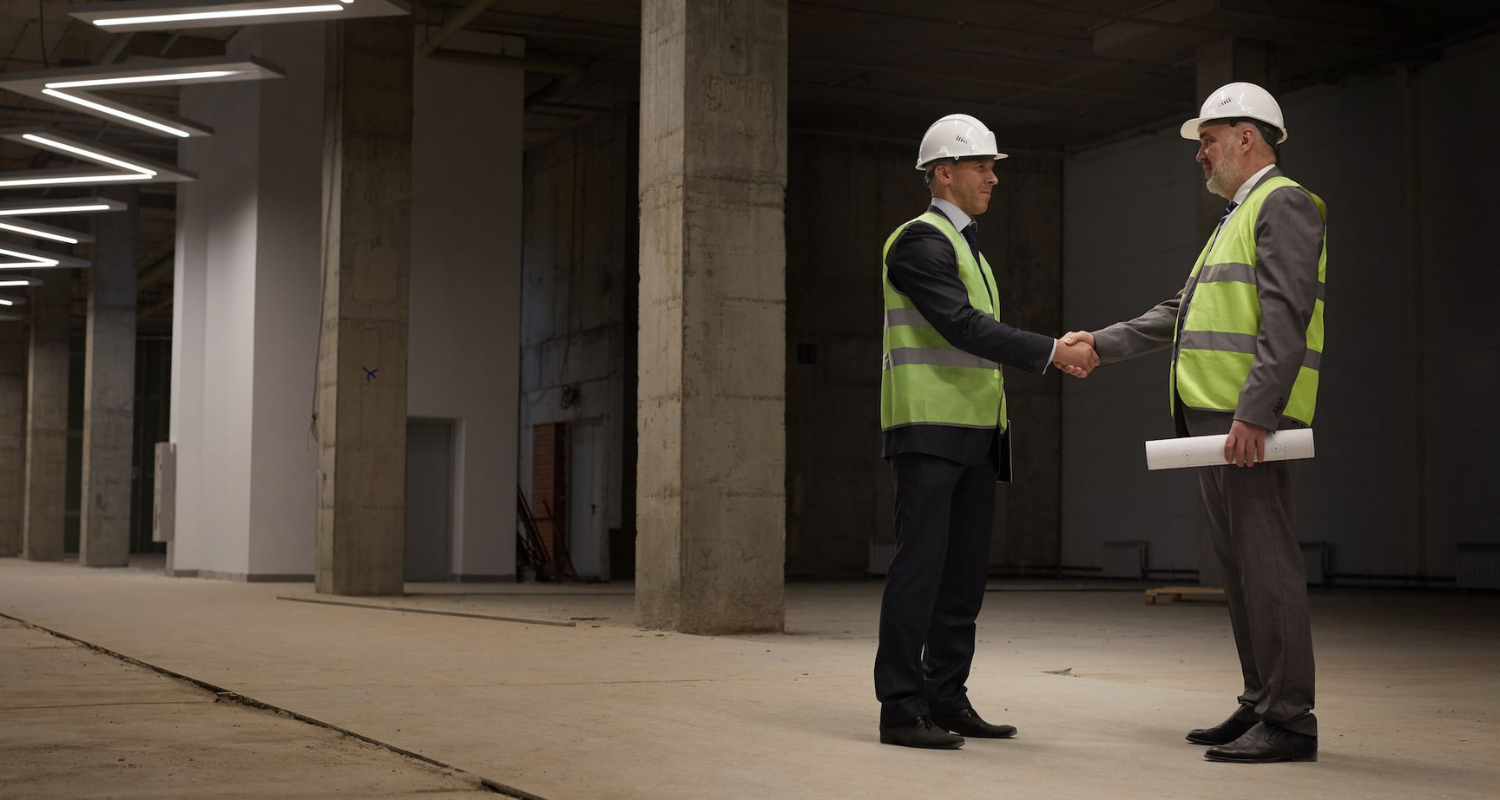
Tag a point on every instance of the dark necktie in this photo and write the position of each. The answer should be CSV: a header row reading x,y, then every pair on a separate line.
x,y
971,235
1229,209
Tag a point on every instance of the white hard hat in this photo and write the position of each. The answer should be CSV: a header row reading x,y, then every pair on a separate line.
x,y
957,136
1244,100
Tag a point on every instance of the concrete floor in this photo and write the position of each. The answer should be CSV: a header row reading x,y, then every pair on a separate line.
x,y
79,724
1101,686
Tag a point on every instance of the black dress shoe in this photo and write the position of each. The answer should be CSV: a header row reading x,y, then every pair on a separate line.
x,y
921,733
1266,744
1227,731
968,723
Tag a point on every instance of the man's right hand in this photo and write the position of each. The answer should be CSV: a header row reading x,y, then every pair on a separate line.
x,y
1075,354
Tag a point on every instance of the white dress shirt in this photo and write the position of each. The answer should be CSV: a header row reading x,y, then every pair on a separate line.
x,y
960,221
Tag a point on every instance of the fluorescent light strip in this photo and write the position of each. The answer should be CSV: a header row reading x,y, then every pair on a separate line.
x,y
34,232
35,261
251,12
31,212
116,112
88,154
167,78
4,302
76,179
22,282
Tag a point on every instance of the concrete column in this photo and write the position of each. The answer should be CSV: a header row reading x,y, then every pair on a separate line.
x,y
109,388
47,419
12,434
362,358
1221,62
712,439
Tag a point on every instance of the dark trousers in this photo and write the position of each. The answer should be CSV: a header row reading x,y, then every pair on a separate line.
x,y
944,514
1251,510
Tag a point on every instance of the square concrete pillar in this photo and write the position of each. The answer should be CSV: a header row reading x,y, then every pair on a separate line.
x,y
109,388
12,434
362,357
712,438
45,499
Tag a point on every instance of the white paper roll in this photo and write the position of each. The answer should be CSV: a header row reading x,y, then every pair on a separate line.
x,y
1208,451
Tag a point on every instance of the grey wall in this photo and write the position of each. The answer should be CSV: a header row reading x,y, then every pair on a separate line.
x,y
1130,242
465,288
579,295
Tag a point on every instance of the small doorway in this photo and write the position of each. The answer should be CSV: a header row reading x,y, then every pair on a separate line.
x,y
429,500
586,481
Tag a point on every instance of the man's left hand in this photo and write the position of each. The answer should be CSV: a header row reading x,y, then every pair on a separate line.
x,y
1245,445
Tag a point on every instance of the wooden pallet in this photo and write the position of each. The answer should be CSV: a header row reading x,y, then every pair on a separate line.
x,y
1184,594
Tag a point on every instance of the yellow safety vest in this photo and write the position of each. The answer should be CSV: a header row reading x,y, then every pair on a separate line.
x,y
924,379
1218,338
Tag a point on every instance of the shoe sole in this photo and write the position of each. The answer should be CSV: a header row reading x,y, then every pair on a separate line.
x,y
1207,743
1311,757
888,740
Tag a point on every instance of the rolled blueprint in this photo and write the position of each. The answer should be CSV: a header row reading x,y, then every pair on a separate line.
x,y
1208,451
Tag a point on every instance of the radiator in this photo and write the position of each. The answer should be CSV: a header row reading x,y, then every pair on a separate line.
x,y
1125,559
1478,565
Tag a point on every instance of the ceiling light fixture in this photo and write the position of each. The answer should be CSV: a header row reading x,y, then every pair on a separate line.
x,y
76,86
126,167
37,230
16,282
17,257
63,205
178,77
218,15
138,15
11,300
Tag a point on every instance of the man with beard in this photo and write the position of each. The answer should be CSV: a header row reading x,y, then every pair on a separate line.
x,y
946,434
1246,335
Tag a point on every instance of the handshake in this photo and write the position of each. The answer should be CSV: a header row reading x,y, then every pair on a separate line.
x,y
1075,354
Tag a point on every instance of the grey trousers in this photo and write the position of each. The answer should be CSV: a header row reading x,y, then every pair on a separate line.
x,y
1251,511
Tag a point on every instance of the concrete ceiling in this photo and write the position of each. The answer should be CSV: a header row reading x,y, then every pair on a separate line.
x,y
1049,75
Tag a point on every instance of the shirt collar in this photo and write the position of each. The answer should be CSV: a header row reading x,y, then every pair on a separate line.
x,y
959,219
1244,190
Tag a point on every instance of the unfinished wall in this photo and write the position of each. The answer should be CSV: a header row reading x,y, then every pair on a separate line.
x,y
1131,242
465,289
578,318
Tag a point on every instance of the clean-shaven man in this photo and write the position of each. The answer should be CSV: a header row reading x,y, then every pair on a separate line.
x,y
947,436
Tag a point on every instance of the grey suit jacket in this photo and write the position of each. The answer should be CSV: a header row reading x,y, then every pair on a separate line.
x,y
1289,240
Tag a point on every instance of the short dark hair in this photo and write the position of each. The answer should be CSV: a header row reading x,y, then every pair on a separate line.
x,y
931,166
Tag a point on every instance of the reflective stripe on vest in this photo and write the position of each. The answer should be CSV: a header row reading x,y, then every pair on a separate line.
x,y
924,379
1217,344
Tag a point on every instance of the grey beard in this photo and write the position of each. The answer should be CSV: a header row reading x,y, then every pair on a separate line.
x,y
1226,174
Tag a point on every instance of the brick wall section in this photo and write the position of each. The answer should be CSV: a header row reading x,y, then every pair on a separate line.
x,y
549,484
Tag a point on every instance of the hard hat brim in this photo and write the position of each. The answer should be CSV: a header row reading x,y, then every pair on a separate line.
x,y
1189,129
922,167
